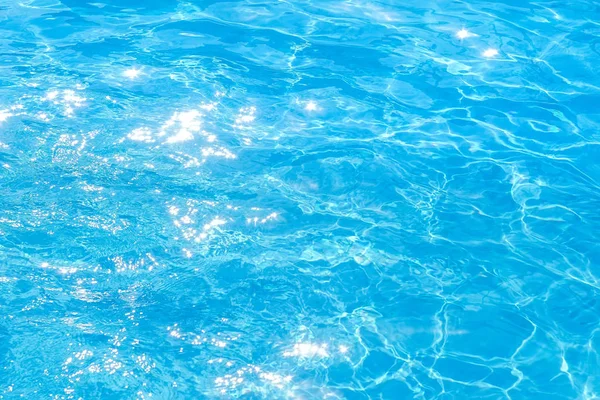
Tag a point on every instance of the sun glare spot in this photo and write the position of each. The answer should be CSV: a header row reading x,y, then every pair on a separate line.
x,y
489,53
132,73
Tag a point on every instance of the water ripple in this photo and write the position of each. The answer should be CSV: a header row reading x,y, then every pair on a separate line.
x,y
208,199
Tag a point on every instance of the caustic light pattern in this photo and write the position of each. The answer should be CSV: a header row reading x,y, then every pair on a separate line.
x,y
299,199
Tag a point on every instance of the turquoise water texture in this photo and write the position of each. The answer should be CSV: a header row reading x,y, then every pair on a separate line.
x,y
332,199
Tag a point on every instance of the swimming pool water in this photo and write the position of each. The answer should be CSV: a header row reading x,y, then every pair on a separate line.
x,y
299,199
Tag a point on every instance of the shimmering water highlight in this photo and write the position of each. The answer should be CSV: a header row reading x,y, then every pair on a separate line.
x,y
299,199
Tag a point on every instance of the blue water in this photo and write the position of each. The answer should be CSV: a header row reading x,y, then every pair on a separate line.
x,y
299,199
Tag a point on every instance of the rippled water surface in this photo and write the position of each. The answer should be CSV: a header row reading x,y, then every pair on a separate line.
x,y
299,199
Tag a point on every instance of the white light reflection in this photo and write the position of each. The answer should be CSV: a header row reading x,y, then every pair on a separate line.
x,y
245,116
463,34
12,112
132,73
70,96
264,220
186,220
275,379
206,230
311,106
174,331
209,106
183,126
246,375
51,95
81,355
188,123
489,53
214,223
305,350
217,152
69,99
4,115
141,135
60,270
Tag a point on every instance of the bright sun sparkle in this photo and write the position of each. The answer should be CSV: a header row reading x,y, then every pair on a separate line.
x,y
463,34
304,350
490,53
132,73
310,106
